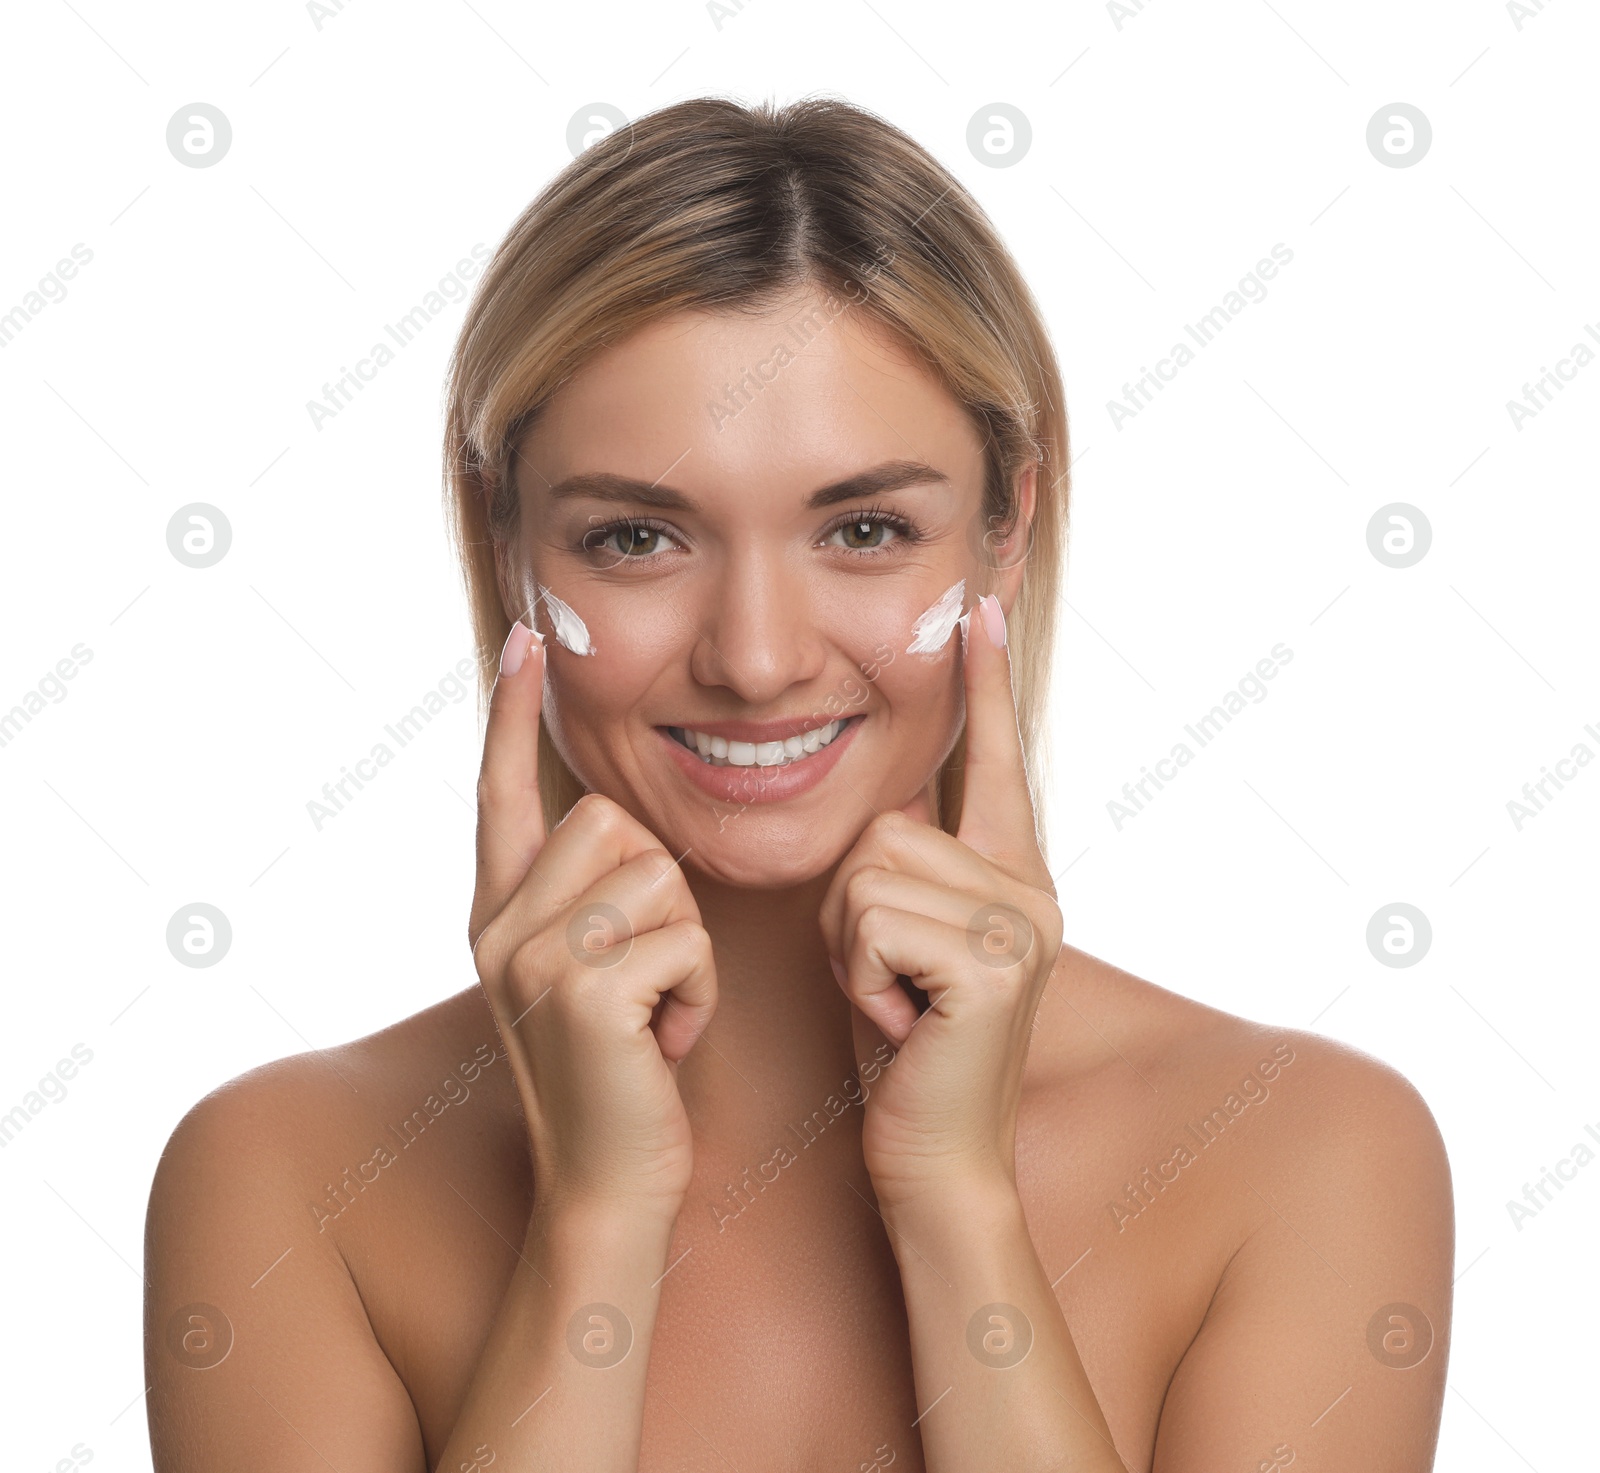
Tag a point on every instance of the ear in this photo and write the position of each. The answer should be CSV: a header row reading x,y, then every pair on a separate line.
x,y
1011,554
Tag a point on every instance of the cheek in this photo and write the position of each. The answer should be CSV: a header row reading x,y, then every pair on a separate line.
x,y
922,694
587,696
916,688
880,625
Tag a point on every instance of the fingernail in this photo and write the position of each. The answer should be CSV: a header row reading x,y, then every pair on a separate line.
x,y
838,971
994,620
516,648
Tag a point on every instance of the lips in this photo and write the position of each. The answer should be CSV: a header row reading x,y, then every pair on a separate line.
x,y
756,781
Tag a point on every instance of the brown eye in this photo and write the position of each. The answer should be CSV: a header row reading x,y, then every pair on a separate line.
x,y
626,541
863,534
867,534
636,541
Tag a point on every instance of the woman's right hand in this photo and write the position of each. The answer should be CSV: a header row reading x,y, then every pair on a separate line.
x,y
589,946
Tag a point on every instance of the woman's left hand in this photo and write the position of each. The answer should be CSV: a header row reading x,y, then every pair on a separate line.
x,y
972,921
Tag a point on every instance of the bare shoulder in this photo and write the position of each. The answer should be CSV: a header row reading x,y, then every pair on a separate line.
x,y
304,1110
1304,1101
245,1251
1284,1198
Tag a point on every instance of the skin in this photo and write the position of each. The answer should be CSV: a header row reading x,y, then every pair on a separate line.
x,y
1016,1144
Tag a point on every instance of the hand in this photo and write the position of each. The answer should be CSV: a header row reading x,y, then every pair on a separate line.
x,y
972,921
590,949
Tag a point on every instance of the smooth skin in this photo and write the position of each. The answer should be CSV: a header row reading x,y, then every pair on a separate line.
x,y
735,1257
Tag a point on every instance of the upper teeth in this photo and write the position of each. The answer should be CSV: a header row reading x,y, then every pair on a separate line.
x,y
720,752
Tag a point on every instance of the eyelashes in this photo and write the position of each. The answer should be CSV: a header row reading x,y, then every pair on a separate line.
x,y
862,522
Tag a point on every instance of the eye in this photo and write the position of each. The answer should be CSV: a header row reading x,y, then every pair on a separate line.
x,y
868,531
626,541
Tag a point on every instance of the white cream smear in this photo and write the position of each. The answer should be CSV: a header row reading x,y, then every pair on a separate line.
x,y
934,626
570,630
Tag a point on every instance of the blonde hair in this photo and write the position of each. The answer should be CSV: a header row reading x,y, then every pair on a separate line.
x,y
710,205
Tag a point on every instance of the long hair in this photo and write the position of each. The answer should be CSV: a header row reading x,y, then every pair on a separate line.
x,y
710,205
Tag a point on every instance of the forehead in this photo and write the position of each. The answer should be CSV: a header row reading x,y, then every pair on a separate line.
x,y
795,397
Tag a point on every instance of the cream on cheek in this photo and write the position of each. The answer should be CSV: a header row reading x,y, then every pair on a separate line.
x,y
570,630
931,630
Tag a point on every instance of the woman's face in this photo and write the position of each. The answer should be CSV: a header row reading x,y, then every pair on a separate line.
x,y
688,494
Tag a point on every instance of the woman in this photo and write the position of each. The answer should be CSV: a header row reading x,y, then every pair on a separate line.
x,y
783,1130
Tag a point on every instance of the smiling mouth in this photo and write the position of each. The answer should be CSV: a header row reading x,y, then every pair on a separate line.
x,y
716,751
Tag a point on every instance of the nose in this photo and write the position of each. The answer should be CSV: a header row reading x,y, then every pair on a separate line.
x,y
756,633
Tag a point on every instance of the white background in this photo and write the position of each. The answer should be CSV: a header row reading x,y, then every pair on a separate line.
x,y
1168,156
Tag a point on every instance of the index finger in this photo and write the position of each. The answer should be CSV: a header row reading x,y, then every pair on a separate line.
x,y
997,816
510,819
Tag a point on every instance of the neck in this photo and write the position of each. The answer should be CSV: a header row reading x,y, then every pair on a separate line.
x,y
781,1032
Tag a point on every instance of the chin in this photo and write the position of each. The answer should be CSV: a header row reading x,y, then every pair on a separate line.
x,y
758,847
743,865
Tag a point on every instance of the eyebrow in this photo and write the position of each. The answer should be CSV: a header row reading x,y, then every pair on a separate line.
x,y
892,475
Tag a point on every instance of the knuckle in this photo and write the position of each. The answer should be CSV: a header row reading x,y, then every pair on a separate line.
x,y
688,945
598,813
863,886
888,825
657,863
873,921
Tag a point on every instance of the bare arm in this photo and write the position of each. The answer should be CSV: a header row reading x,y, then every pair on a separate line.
x,y
561,1381
1328,1337
999,1380
258,1352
